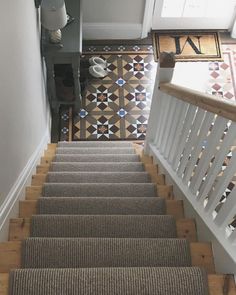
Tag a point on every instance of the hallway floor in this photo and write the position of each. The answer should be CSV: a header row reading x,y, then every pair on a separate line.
x,y
117,106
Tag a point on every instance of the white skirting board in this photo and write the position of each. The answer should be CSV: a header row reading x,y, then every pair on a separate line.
x,y
224,262
104,31
10,207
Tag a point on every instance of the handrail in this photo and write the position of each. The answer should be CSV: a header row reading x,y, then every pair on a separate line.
x,y
217,105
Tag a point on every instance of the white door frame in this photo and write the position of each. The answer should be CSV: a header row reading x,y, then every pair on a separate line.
x,y
147,17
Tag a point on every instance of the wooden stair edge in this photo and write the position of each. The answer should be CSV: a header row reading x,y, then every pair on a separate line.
x,y
216,283
19,229
27,208
10,256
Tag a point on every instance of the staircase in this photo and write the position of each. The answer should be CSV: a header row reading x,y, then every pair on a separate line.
x,y
99,219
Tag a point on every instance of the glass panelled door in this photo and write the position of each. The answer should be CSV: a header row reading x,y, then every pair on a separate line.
x,y
193,14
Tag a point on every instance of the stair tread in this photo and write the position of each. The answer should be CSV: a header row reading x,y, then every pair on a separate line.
x,y
95,150
99,177
102,205
99,190
106,281
96,166
96,158
145,226
104,252
95,143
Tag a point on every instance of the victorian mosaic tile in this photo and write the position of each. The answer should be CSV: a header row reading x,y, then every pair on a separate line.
x,y
222,74
117,106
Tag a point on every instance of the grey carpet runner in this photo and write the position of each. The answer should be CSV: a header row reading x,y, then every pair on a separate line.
x,y
97,177
101,229
102,206
112,226
110,144
99,190
96,158
97,167
109,281
94,151
104,252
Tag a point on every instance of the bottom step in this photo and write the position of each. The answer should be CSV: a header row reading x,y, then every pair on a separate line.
x,y
107,281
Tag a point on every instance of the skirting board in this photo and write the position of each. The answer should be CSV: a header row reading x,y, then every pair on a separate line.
x,y
224,262
9,208
104,31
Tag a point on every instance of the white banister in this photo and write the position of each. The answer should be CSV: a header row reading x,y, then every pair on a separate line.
x,y
193,136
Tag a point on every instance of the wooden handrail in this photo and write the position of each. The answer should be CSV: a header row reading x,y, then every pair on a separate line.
x,y
219,106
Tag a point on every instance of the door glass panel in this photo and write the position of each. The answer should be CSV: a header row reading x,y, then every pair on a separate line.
x,y
172,8
196,8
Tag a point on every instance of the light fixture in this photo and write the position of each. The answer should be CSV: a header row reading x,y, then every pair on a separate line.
x,y
53,18
53,14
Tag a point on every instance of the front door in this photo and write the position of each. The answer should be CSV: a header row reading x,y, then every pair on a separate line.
x,y
193,14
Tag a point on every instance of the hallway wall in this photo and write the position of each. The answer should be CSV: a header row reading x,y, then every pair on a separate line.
x,y
113,19
24,112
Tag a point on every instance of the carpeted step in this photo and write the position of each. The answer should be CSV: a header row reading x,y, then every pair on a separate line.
x,y
104,206
97,167
104,252
93,151
108,281
109,144
96,158
99,190
111,226
97,177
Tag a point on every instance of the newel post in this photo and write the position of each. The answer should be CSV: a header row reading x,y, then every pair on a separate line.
x,y
165,70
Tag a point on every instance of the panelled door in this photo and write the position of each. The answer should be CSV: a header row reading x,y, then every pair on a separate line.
x,y
193,14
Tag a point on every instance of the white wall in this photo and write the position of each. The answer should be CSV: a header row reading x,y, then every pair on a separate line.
x,y
24,112
113,19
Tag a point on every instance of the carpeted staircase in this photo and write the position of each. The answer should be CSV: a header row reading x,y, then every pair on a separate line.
x,y
100,229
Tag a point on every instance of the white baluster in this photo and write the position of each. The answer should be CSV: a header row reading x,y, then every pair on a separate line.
x,y
213,141
227,211
185,132
173,130
223,182
232,237
169,123
179,129
197,149
191,142
164,118
218,161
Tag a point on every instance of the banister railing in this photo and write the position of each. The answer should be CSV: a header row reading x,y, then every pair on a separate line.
x,y
193,136
217,105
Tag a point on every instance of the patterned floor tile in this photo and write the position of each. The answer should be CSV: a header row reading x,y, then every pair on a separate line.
x,y
139,68
102,127
117,106
222,75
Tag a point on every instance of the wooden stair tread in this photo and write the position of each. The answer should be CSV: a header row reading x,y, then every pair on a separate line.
x,y
173,207
215,282
10,256
19,229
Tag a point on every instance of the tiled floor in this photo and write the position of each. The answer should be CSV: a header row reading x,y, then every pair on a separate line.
x,y
117,106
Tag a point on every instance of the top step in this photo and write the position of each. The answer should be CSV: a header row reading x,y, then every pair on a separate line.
x,y
95,144
95,150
